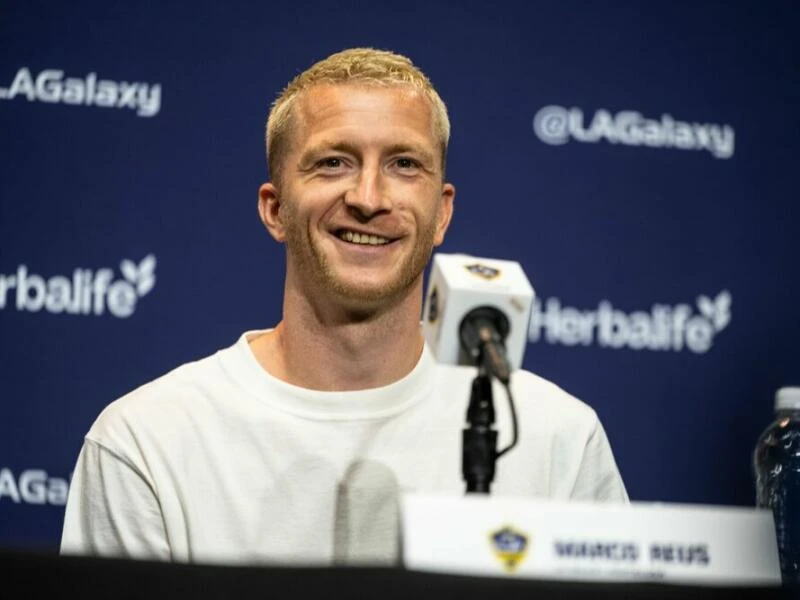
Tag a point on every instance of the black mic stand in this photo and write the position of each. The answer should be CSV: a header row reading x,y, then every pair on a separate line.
x,y
482,333
479,439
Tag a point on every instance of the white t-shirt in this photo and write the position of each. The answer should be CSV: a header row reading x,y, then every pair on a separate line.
x,y
218,461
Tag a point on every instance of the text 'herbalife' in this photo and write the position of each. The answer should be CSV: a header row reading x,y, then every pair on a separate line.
x,y
87,292
664,327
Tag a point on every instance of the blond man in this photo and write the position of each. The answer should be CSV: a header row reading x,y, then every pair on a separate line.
x,y
294,444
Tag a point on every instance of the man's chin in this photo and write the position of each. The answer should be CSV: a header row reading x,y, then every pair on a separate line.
x,y
365,294
370,295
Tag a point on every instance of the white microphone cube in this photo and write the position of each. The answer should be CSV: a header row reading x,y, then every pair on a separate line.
x,y
460,283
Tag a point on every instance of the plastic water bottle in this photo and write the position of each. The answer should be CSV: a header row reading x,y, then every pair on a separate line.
x,y
776,461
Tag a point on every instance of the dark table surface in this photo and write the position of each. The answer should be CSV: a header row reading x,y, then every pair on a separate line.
x,y
27,574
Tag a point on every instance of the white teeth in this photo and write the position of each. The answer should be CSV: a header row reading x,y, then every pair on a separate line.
x,y
363,238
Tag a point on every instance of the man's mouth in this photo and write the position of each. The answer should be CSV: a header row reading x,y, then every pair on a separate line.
x,y
364,239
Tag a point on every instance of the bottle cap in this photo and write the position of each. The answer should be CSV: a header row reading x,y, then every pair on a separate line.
x,y
787,398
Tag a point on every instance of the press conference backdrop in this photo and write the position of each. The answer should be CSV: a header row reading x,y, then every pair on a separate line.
x,y
639,159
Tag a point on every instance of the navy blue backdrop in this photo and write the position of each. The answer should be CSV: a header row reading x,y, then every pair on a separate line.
x,y
639,159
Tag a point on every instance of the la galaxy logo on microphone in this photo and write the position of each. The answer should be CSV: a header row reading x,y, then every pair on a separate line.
x,y
510,546
484,271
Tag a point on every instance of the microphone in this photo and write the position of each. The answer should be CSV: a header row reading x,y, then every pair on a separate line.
x,y
482,333
367,516
477,311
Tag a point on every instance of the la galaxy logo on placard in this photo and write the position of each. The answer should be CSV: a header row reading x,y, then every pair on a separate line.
x,y
510,546
484,271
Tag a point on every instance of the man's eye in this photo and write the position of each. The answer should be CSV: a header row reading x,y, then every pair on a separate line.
x,y
407,163
331,163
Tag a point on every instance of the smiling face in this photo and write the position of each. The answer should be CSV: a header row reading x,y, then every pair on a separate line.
x,y
361,201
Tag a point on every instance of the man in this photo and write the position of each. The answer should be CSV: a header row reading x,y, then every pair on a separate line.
x,y
294,444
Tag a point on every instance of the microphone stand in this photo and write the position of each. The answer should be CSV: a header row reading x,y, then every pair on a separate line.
x,y
479,439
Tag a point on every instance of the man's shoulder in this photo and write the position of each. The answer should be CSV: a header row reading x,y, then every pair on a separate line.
x,y
187,389
552,403
192,376
549,393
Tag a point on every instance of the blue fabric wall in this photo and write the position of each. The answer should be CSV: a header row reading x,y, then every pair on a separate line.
x,y
653,206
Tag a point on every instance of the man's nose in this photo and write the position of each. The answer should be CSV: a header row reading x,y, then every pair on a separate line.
x,y
369,194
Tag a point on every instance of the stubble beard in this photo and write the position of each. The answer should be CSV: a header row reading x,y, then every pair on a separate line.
x,y
310,260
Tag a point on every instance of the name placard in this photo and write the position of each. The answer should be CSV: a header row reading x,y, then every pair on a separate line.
x,y
681,543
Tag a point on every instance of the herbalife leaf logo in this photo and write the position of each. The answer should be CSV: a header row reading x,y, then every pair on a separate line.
x,y
718,310
143,277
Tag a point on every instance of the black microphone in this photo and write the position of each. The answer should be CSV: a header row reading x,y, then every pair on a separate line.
x,y
476,312
483,332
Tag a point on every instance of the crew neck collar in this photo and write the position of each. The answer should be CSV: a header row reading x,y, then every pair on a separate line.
x,y
374,403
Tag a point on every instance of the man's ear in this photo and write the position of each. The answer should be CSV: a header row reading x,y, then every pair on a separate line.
x,y
445,213
269,209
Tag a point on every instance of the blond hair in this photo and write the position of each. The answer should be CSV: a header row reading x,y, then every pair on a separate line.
x,y
365,66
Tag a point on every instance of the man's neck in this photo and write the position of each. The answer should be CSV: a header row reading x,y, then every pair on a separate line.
x,y
337,349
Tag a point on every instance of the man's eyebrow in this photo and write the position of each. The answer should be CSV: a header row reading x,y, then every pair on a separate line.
x,y
327,146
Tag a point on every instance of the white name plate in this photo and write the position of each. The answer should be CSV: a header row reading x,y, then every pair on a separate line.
x,y
679,543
